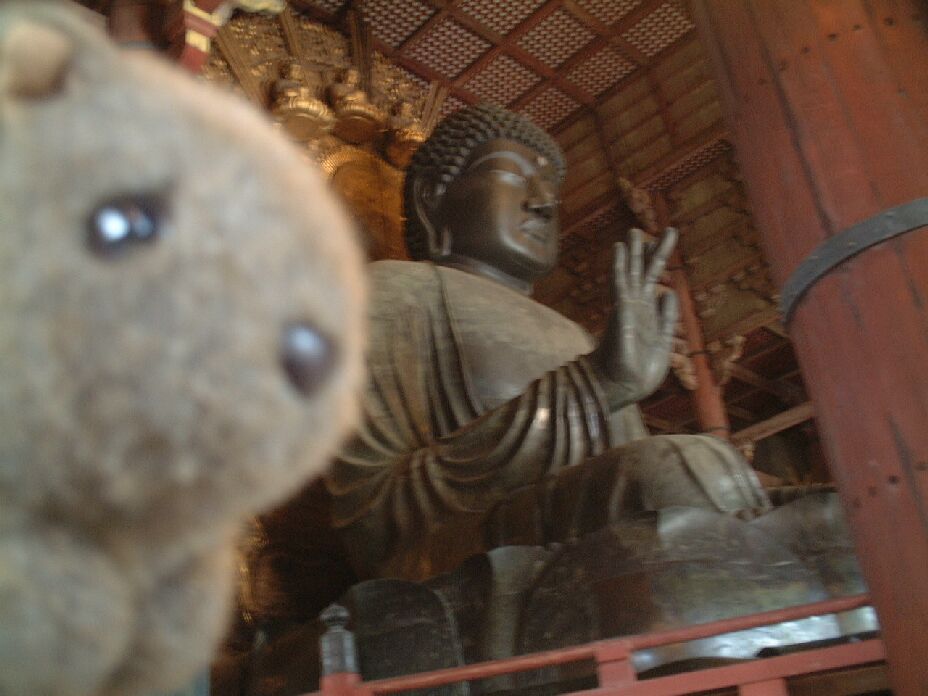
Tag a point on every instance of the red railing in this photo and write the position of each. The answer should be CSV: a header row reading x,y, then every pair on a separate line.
x,y
617,677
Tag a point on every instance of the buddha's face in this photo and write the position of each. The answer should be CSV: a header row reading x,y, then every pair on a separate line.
x,y
502,210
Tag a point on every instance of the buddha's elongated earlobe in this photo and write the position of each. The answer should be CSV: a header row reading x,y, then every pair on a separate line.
x,y
427,196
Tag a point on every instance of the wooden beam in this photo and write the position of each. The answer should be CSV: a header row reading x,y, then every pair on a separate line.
x,y
663,424
607,153
681,155
586,191
722,235
588,212
789,394
754,321
763,351
606,32
778,423
632,127
727,198
741,413
663,107
778,328
668,52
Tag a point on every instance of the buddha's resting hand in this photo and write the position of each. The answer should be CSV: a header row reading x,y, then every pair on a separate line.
x,y
633,355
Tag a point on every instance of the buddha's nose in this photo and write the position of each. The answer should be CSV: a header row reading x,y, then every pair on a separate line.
x,y
541,206
307,355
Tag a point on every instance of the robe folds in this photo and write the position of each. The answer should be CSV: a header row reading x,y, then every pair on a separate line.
x,y
474,392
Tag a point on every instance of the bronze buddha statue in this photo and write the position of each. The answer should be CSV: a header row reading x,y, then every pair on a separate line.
x,y
489,416
502,495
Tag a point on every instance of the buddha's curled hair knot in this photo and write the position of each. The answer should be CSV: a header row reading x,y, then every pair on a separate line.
x,y
442,157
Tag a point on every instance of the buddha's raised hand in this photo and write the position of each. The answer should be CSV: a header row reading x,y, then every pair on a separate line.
x,y
634,353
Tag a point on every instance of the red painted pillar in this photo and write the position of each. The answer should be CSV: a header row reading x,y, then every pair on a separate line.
x,y
708,399
828,101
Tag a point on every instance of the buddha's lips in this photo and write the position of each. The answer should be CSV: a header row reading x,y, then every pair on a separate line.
x,y
536,229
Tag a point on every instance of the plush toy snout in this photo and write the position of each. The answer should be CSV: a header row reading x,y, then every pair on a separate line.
x,y
34,59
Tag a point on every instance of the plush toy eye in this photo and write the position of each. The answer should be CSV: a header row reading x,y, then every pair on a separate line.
x,y
124,222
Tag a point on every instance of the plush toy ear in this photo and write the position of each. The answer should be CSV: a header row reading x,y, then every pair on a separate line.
x,y
34,59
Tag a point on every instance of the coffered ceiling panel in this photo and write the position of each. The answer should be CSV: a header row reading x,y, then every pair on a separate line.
x,y
448,48
608,11
500,16
549,107
660,29
503,78
556,38
392,21
450,105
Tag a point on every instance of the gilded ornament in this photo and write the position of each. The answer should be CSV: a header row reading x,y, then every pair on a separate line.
x,y
358,121
296,107
405,134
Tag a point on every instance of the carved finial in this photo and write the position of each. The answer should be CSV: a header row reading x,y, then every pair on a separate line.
x,y
337,647
725,354
335,616
639,202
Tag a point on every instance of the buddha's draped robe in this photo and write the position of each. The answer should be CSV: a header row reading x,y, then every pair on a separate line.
x,y
475,391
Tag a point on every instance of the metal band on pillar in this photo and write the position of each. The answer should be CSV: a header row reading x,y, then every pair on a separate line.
x,y
852,241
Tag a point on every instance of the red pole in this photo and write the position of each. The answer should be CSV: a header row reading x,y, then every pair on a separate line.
x,y
828,102
708,401
707,397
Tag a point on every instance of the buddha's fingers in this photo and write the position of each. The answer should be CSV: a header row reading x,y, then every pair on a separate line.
x,y
636,261
619,273
659,261
670,310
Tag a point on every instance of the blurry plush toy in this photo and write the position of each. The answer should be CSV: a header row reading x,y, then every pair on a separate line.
x,y
180,346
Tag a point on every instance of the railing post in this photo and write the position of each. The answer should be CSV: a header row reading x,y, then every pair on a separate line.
x,y
340,673
771,687
614,664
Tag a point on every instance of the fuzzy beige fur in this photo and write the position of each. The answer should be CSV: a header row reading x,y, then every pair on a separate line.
x,y
144,413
